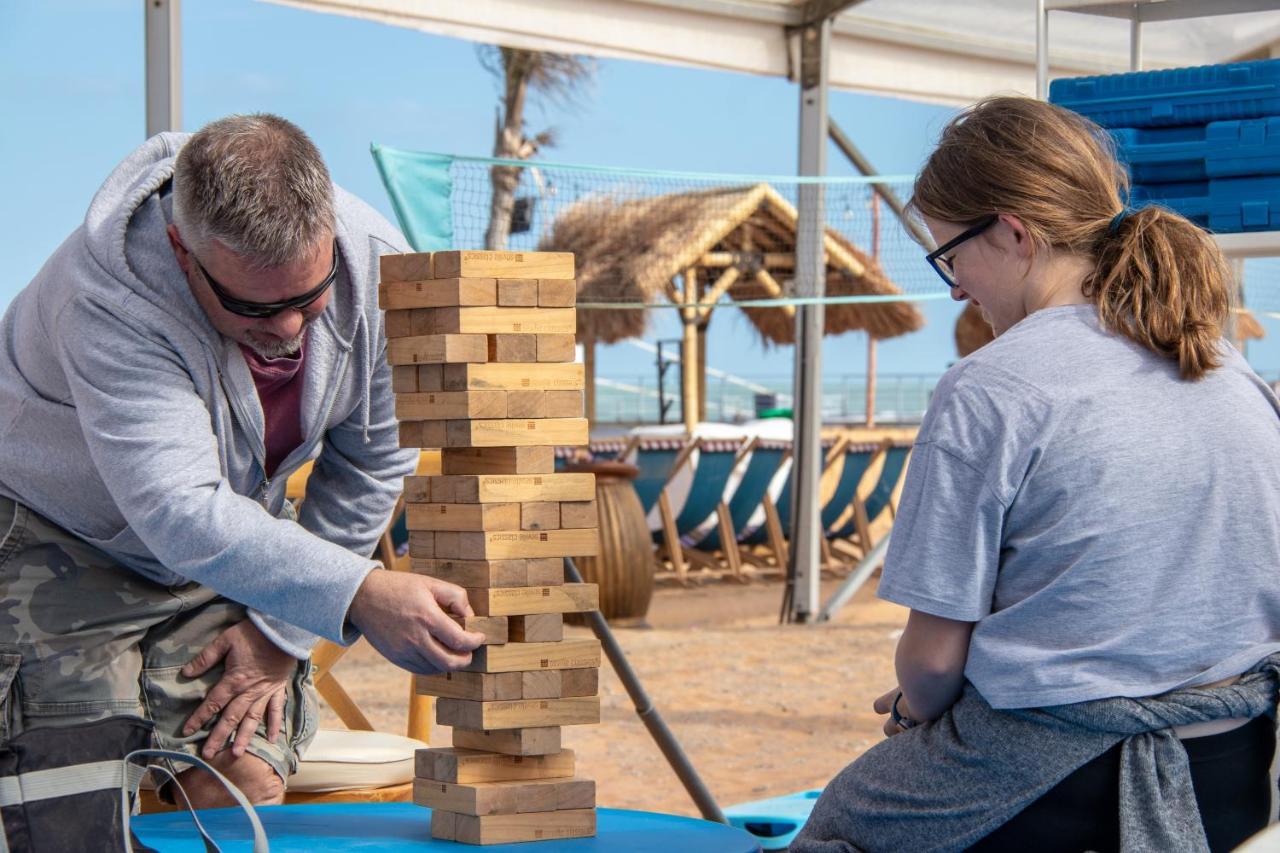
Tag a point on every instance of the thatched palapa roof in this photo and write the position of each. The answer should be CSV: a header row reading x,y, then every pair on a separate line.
x,y
631,250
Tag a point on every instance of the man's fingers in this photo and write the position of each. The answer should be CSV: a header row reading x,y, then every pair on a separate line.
x,y
228,724
275,716
246,728
208,656
453,599
451,635
213,703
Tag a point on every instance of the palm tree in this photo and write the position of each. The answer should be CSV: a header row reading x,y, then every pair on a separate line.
x,y
555,75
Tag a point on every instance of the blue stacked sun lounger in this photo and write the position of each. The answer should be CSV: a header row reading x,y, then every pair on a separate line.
x,y
754,485
1204,142
1174,96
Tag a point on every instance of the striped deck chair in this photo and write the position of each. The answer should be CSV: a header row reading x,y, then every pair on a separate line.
x,y
772,534
657,459
752,491
857,520
855,459
717,460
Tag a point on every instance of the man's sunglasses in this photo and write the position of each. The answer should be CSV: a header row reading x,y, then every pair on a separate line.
x,y
262,310
942,265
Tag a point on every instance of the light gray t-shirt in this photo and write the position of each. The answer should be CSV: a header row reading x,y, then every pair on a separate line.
x,y
1112,529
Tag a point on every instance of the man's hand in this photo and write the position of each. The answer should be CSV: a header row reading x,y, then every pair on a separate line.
x,y
406,617
884,705
252,686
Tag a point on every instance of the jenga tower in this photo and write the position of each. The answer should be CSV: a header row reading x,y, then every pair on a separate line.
x,y
481,346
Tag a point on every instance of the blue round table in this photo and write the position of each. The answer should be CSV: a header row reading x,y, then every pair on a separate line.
x,y
406,827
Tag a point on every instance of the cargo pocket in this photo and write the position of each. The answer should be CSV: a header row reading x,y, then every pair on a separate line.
x,y
10,663
306,710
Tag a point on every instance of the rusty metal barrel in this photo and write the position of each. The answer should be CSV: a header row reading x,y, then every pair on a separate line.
x,y
624,568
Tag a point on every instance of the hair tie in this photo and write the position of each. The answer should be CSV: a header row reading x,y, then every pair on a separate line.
x,y
1117,219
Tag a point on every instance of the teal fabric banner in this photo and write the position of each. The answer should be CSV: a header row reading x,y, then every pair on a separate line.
x,y
421,192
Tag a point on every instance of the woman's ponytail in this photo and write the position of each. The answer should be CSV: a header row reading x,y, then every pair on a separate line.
x,y
1162,282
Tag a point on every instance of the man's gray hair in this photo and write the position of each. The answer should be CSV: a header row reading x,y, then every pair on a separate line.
x,y
255,183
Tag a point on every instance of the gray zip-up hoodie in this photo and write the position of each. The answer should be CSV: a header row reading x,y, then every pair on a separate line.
x,y
127,419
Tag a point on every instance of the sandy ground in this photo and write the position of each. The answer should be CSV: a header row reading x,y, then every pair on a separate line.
x,y
761,709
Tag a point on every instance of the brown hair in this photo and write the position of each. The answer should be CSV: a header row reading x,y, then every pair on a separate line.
x,y
1158,278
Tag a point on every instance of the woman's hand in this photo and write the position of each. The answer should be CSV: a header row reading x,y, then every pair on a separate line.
x,y
884,705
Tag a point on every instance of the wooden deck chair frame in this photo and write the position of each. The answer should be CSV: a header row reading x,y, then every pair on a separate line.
x,y
862,524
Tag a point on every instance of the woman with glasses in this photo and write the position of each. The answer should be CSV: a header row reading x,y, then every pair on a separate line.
x,y
1089,533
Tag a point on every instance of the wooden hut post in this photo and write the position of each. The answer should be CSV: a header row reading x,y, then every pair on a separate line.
x,y
871,380
589,368
702,367
689,351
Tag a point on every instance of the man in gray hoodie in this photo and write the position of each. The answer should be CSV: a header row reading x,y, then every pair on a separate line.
x,y
211,327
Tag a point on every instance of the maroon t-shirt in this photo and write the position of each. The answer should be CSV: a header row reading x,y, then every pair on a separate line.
x,y
279,382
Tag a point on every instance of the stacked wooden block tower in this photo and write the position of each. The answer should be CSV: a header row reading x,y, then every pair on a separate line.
x,y
481,346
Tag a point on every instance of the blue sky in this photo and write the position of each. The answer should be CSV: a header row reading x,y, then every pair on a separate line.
x,y
71,97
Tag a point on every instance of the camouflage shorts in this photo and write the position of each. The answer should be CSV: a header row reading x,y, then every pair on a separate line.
x,y
91,639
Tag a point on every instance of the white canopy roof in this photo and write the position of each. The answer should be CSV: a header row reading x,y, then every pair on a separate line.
x,y
945,51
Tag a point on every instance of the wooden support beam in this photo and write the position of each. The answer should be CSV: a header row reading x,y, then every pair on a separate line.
x,y
689,352
770,284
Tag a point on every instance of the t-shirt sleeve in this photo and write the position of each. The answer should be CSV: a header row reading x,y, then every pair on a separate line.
x,y
945,552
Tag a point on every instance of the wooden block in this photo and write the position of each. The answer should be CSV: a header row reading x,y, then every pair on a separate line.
x,y
522,601
541,741
513,348
485,798
540,684
575,794
513,828
478,264
557,293
493,488
446,405
540,515
404,379
578,682
406,266
556,348
396,324
518,713
464,766
477,573
525,404
514,544
520,657
497,460
444,825
417,490
423,433
512,432
438,293
478,686
514,377
494,628
422,321
535,628
525,796
430,377
518,292
422,544
437,349
562,404
548,571
576,514
493,321
435,516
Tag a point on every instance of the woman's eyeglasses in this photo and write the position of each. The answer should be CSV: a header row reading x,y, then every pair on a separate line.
x,y
941,264
263,310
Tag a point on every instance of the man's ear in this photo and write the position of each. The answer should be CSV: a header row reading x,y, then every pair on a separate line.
x,y
179,250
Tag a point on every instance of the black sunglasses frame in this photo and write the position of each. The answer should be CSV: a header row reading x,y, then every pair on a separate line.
x,y
942,267
264,310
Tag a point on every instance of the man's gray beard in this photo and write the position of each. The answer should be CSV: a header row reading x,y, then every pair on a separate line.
x,y
281,349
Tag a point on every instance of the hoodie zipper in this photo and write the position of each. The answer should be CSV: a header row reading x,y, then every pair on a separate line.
x,y
257,443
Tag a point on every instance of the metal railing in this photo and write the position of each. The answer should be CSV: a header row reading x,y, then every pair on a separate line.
x,y
900,398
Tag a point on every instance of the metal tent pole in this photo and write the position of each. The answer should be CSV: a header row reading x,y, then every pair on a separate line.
x,y
163,39
806,553
648,714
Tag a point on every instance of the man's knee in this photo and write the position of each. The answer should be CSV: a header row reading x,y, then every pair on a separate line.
x,y
255,777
